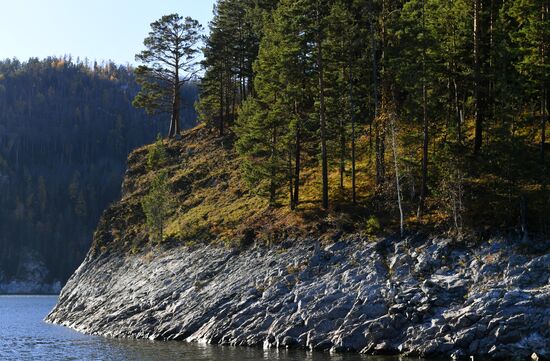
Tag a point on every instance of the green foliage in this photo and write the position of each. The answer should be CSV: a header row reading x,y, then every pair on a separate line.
x,y
271,125
157,205
532,39
373,225
260,146
230,50
156,157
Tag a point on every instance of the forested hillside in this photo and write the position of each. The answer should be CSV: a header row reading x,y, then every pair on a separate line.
x,y
66,128
382,113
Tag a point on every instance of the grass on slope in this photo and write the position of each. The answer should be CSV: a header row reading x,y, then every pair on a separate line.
x,y
213,203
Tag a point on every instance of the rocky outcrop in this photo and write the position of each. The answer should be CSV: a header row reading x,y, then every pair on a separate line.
x,y
425,297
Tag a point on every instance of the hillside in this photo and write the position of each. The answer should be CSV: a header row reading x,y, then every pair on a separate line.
x,y
232,270
66,128
211,202
367,176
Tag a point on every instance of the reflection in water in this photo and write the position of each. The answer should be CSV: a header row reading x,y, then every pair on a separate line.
x,y
23,336
148,350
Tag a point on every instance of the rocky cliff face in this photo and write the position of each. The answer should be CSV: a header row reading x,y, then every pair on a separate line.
x,y
425,297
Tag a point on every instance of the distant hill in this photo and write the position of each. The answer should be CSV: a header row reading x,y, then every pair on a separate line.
x,y
66,128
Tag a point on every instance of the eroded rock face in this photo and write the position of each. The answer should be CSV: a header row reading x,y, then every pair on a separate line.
x,y
414,297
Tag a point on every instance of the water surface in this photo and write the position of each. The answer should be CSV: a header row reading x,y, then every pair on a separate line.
x,y
24,336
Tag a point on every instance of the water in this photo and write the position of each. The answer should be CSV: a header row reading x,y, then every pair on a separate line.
x,y
24,336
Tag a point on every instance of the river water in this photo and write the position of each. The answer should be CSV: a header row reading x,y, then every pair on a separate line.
x,y
24,336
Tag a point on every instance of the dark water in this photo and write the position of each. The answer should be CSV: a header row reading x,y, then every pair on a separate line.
x,y
24,336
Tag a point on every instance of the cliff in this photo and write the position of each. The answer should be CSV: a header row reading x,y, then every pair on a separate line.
x,y
421,295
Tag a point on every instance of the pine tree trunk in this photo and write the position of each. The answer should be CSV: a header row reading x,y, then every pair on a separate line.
x,y
544,95
458,113
424,185
297,157
544,105
342,165
324,162
290,180
233,103
221,106
272,184
171,130
352,116
227,97
176,111
383,154
490,98
425,143
478,137
377,153
379,141
175,122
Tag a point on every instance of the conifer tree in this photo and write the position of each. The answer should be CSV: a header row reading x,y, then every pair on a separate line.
x,y
156,205
458,74
169,61
263,127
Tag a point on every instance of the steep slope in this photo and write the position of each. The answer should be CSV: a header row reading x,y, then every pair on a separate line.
x,y
211,202
217,279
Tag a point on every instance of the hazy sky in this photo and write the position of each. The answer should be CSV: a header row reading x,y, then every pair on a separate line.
x,y
97,29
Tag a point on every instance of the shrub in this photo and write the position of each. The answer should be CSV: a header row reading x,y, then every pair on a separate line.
x,y
373,225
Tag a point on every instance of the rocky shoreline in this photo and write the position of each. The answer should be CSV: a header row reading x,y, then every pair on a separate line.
x,y
417,297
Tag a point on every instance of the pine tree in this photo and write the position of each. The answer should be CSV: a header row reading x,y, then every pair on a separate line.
x,y
263,126
457,74
170,61
156,205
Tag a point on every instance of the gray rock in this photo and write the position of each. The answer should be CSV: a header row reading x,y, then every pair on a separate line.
x,y
416,297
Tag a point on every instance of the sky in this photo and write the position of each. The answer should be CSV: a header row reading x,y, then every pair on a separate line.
x,y
96,29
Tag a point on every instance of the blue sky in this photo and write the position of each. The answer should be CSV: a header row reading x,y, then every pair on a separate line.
x,y
97,29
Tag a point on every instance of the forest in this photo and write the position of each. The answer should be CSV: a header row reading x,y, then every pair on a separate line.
x,y
406,114
66,128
